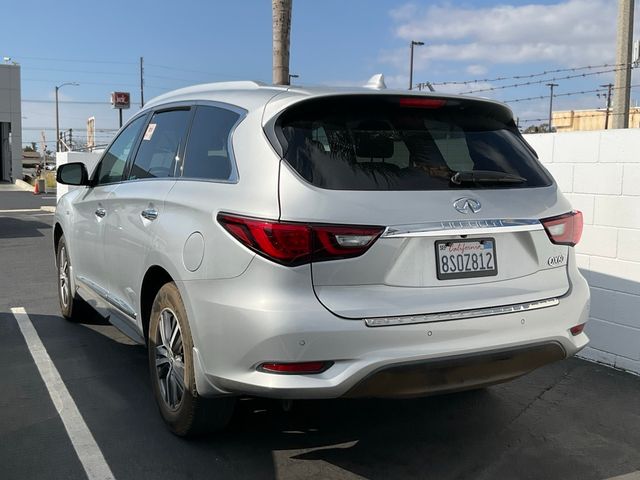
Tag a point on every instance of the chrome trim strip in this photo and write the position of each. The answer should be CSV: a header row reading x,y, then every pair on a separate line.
x,y
93,286
462,227
103,294
460,315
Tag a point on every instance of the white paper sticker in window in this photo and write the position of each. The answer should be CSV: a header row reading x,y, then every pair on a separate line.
x,y
149,133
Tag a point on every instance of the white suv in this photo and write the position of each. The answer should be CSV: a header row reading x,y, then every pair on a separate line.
x,y
318,243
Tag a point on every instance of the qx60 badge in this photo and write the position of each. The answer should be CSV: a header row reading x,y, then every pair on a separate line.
x,y
467,205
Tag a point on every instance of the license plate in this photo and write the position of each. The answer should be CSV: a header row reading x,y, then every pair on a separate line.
x,y
466,258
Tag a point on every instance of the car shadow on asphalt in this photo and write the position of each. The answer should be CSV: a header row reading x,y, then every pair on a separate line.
x,y
540,426
11,227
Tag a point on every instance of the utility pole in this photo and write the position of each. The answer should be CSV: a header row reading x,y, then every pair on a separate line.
x,y
141,82
281,17
411,45
57,122
43,146
608,94
623,59
551,86
70,139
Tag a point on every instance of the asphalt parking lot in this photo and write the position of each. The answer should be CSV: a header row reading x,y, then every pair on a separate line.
x,y
570,420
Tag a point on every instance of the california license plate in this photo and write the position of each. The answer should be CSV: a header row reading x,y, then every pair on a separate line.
x,y
466,258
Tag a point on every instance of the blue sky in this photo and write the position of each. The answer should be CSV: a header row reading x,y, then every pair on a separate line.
x,y
342,42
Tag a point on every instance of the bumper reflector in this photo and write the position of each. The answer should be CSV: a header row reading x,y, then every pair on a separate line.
x,y
295,368
577,330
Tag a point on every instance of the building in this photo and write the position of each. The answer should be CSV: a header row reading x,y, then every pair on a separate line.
x,y
580,120
10,123
31,159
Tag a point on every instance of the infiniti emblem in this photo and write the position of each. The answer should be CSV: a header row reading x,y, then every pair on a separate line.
x,y
467,205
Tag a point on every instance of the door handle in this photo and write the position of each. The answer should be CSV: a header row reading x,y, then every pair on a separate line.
x,y
100,212
149,214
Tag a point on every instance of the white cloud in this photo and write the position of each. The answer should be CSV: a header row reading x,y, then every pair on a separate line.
x,y
476,69
571,33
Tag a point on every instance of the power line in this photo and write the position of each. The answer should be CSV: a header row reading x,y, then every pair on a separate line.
x,y
73,60
82,83
78,102
64,70
104,131
169,67
531,75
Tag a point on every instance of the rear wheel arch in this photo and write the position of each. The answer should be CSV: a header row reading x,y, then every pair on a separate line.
x,y
154,279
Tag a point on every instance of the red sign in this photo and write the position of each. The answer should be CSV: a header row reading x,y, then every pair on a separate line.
x,y
120,99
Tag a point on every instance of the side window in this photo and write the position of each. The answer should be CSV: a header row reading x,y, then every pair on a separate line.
x,y
160,145
207,155
112,165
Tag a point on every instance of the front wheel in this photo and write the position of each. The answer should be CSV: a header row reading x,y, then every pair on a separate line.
x,y
170,348
66,297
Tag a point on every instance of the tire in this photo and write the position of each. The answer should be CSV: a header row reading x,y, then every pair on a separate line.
x,y
170,351
66,297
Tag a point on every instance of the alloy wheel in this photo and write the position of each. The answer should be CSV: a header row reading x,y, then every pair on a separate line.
x,y
63,277
169,356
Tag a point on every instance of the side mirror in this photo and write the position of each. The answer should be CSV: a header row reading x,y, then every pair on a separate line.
x,y
72,174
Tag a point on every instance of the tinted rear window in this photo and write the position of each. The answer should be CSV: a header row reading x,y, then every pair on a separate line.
x,y
375,142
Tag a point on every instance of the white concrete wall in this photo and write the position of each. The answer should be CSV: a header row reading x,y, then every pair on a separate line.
x,y
90,159
599,172
11,112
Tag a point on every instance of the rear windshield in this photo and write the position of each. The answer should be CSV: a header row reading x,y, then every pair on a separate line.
x,y
376,142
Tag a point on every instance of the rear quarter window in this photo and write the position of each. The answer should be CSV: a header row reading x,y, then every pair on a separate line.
x,y
380,142
208,155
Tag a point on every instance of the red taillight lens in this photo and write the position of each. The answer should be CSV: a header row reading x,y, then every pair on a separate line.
x,y
577,330
565,229
299,243
417,102
299,368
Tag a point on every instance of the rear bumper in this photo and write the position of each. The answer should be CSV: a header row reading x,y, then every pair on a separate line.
x,y
456,373
270,314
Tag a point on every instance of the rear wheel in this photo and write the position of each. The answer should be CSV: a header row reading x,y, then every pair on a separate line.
x,y
172,373
66,297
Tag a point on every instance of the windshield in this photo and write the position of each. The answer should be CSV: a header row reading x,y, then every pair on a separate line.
x,y
383,142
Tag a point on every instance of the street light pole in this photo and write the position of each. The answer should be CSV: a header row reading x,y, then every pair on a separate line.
x,y
413,44
551,86
58,87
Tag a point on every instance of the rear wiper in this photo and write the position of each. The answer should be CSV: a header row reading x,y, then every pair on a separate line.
x,y
485,176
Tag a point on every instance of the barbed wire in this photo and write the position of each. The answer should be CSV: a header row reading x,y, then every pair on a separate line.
x,y
567,94
537,82
531,75
602,112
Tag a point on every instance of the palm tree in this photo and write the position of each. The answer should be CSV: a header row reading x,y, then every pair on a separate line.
x,y
281,39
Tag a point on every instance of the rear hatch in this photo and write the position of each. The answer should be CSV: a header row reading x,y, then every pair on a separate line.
x,y
457,193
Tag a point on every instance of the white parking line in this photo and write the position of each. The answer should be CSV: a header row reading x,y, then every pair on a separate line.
x,y
95,466
628,476
22,210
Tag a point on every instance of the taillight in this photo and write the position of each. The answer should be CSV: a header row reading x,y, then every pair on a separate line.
x,y
564,229
418,102
292,244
